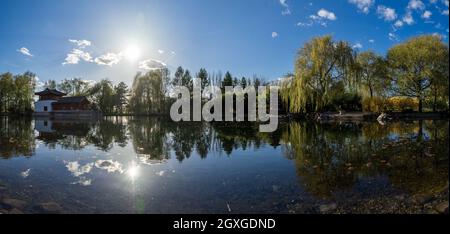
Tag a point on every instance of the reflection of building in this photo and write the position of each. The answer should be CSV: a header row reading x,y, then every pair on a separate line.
x,y
53,103
53,130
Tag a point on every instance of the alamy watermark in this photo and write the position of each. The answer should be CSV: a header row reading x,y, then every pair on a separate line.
x,y
213,109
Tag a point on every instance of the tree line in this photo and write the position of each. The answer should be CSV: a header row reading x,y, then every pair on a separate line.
x,y
149,93
330,75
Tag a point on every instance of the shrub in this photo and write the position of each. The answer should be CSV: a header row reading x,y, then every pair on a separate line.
x,y
400,103
374,104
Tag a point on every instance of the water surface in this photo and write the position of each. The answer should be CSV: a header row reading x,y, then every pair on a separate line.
x,y
149,165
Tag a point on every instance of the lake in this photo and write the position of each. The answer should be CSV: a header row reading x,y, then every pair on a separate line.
x,y
151,165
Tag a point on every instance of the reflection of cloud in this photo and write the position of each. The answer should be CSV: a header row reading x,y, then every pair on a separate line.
x,y
109,165
26,173
148,160
161,173
76,170
83,181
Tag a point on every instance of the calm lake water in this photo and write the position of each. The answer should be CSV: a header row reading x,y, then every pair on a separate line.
x,y
148,165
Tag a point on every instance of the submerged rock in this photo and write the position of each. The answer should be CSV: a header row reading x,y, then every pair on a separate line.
x,y
327,207
442,207
10,203
15,211
49,208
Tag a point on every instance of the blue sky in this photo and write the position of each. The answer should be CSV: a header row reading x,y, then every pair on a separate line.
x,y
95,39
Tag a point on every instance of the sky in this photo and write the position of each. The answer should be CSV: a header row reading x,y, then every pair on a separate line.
x,y
114,39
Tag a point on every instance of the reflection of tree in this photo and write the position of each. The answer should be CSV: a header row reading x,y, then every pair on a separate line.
x,y
76,135
150,139
232,136
105,133
16,137
189,135
332,157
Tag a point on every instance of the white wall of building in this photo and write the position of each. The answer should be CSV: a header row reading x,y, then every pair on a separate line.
x,y
43,125
39,106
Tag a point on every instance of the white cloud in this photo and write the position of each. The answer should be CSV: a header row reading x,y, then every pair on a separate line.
x,y
301,24
326,14
274,34
386,13
393,37
440,35
427,14
109,59
357,46
161,51
363,5
398,24
76,55
25,51
445,12
372,41
151,65
173,53
445,2
416,5
286,10
408,19
81,43
321,18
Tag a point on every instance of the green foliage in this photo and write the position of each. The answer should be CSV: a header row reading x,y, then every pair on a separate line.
x,y
149,92
402,103
102,96
120,97
374,104
372,72
17,92
328,74
417,64
72,87
321,64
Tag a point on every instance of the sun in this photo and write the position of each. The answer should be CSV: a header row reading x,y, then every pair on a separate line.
x,y
132,53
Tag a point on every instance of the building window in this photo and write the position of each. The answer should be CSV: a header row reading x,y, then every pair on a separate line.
x,y
45,108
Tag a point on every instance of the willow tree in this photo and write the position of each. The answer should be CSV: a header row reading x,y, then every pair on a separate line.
x,y
417,64
321,65
149,92
372,71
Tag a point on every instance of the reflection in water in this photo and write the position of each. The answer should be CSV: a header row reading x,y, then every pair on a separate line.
x,y
327,160
333,157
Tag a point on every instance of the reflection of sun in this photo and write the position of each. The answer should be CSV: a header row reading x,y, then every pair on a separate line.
x,y
133,171
132,53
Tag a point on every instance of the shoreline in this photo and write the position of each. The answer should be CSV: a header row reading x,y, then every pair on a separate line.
x,y
319,116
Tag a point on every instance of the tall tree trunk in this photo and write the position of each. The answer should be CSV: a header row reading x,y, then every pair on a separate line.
x,y
420,104
434,101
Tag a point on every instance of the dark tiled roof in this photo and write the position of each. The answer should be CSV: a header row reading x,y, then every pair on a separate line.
x,y
50,91
67,100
